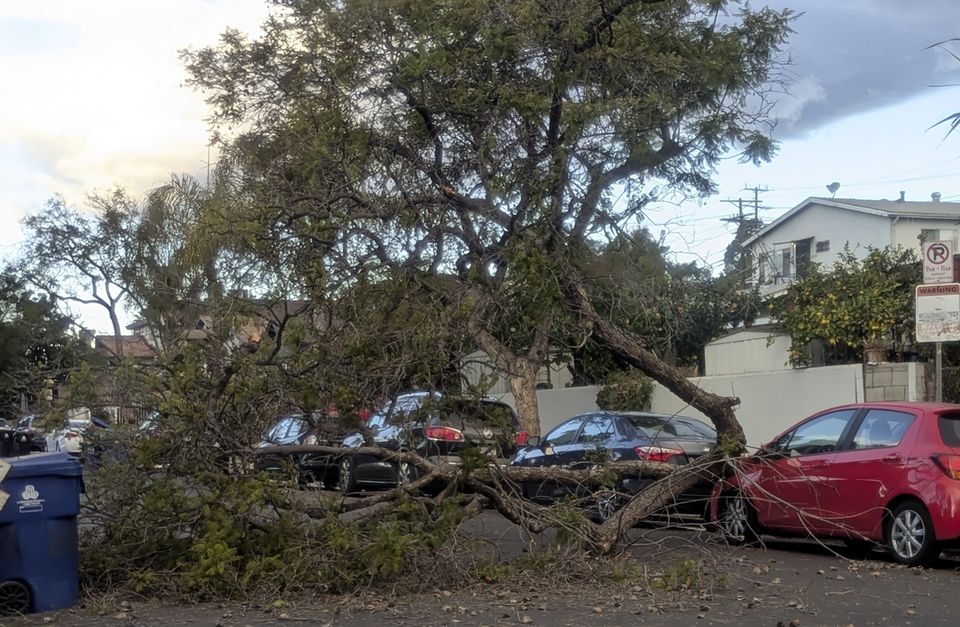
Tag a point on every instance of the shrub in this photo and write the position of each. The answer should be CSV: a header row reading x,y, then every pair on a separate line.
x,y
626,391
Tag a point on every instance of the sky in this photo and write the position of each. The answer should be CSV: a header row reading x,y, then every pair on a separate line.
x,y
94,97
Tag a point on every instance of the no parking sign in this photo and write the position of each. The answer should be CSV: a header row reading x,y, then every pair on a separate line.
x,y
938,262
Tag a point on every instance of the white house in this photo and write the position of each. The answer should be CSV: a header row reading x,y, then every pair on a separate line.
x,y
818,229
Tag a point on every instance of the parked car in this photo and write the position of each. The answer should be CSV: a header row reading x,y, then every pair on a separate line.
x,y
81,437
69,437
324,428
869,473
439,428
30,426
592,438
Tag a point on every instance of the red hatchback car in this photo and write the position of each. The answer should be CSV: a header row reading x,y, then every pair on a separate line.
x,y
869,473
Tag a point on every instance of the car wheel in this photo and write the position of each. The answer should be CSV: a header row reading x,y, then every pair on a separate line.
x,y
738,520
607,504
347,481
15,598
909,534
406,473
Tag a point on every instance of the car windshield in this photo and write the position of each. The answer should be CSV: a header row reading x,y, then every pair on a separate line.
x,y
76,423
660,426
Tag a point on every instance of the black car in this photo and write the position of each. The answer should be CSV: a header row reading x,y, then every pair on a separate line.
x,y
326,428
439,428
30,427
591,439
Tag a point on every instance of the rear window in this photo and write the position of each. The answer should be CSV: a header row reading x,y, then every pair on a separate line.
x,y
482,412
466,410
655,426
950,429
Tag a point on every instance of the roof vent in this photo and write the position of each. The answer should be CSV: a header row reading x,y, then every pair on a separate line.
x,y
902,196
935,196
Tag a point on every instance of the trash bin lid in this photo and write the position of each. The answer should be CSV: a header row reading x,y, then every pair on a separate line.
x,y
43,465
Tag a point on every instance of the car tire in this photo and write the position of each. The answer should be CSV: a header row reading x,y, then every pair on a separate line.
x,y
347,479
738,520
606,504
909,535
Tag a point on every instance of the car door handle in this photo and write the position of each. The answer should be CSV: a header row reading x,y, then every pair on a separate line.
x,y
819,464
892,458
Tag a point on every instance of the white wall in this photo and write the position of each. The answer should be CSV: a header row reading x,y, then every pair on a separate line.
x,y
906,231
747,350
769,402
772,401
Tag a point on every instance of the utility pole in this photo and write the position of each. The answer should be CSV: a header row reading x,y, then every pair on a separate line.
x,y
746,226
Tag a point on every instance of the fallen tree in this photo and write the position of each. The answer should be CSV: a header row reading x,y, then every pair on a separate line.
x,y
500,484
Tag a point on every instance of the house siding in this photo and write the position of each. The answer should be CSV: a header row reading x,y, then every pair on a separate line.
x,y
906,231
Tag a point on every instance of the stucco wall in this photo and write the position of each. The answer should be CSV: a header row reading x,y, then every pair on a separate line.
x,y
906,231
747,351
770,402
839,226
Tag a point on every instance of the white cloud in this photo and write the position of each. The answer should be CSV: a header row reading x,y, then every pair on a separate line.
x,y
96,95
803,91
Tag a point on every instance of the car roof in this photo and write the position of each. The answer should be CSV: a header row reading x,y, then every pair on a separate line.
x,y
641,414
484,399
926,406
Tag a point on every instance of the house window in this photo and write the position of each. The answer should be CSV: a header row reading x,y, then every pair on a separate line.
x,y
939,235
783,261
823,246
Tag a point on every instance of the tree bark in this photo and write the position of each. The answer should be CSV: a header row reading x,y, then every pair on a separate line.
x,y
719,409
523,384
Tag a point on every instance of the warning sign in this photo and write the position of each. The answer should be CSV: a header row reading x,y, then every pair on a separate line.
x,y
938,262
938,312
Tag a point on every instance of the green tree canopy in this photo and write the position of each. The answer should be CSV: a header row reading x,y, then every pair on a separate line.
x,y
37,349
853,304
480,140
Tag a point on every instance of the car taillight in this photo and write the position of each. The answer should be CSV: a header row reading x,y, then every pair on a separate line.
x,y
443,434
521,438
71,434
949,464
364,414
656,453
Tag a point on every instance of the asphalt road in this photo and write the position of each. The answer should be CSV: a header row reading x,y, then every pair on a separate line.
x,y
786,582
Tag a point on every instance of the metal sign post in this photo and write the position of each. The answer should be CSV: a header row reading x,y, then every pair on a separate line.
x,y
939,392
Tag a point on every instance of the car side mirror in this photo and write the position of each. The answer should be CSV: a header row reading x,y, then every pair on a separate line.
x,y
533,440
772,453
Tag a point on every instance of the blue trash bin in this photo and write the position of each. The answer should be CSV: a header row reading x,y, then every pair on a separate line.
x,y
38,533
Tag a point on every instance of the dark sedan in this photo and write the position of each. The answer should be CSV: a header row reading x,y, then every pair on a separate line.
x,y
324,428
440,428
591,439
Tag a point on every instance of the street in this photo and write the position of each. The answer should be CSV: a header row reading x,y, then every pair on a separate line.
x,y
797,582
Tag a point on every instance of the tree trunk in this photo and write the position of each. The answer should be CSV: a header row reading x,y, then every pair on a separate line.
x,y
718,409
523,384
